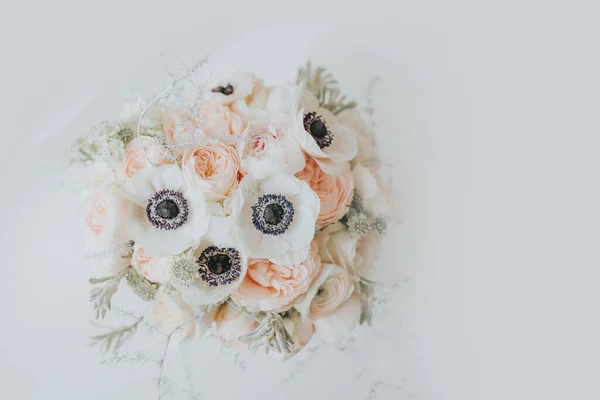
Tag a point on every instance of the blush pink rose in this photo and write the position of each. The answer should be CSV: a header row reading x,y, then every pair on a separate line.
x,y
269,286
231,323
213,120
335,192
154,269
212,169
104,212
135,158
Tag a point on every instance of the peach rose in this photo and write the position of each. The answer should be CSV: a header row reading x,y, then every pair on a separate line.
x,y
212,169
152,268
329,290
135,158
169,312
335,192
339,325
231,323
103,217
269,286
213,120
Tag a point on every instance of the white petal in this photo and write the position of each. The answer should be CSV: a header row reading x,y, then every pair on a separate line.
x,y
281,184
166,177
138,188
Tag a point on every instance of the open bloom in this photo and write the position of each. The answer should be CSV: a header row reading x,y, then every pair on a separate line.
x,y
353,119
163,215
237,86
104,211
221,266
269,286
136,159
275,217
171,314
335,192
155,269
212,168
231,323
213,120
373,198
331,143
329,290
339,325
264,148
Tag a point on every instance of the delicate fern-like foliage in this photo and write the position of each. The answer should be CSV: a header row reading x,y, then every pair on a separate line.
x,y
116,337
325,88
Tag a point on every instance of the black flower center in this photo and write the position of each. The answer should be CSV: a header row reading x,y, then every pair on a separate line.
x,y
272,214
167,209
315,125
219,265
227,90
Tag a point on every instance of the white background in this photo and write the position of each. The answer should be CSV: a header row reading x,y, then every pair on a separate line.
x,y
491,113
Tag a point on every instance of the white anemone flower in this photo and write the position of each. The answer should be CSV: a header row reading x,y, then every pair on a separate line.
x,y
220,264
276,217
331,143
164,216
237,86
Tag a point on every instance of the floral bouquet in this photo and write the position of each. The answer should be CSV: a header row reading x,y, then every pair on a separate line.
x,y
248,212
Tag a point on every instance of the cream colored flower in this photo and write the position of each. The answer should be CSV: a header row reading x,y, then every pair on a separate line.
x,y
373,199
212,168
331,143
104,212
163,215
155,269
332,287
264,148
339,325
136,159
275,217
269,286
231,323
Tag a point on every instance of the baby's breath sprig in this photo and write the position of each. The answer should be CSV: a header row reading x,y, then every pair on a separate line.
x,y
102,296
322,84
270,333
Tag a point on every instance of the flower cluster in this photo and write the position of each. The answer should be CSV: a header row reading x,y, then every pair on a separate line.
x,y
259,207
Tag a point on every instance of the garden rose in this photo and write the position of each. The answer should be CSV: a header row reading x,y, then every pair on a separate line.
x,y
231,323
212,169
339,325
213,120
328,291
335,192
265,148
135,158
104,211
154,269
270,286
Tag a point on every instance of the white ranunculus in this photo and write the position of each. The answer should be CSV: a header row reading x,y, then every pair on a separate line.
x,y
265,147
163,215
337,246
353,119
331,143
275,217
221,263
373,199
339,325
